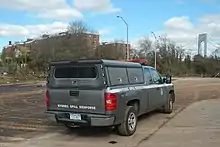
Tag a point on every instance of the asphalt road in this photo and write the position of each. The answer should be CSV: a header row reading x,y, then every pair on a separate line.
x,y
20,88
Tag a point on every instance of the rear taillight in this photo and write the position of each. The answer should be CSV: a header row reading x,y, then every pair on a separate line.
x,y
110,101
47,99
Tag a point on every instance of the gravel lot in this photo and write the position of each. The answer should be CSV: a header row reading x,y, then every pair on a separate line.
x,y
22,114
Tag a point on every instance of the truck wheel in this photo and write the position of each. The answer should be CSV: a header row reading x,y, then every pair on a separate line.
x,y
168,107
129,124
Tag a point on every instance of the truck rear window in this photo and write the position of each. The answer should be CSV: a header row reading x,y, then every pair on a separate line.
x,y
75,72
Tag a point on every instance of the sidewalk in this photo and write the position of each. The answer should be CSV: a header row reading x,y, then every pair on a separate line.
x,y
196,126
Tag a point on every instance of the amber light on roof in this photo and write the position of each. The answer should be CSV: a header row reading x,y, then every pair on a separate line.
x,y
141,61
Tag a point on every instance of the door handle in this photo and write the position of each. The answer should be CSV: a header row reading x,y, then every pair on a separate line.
x,y
158,88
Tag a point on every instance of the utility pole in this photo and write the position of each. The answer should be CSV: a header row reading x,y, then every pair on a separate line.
x,y
127,47
155,51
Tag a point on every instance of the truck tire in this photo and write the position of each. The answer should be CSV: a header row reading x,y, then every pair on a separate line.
x,y
129,124
168,107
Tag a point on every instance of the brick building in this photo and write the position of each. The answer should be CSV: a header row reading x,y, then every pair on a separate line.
x,y
94,40
12,48
26,45
122,46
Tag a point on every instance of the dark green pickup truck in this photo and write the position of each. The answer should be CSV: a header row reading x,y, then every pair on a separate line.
x,y
106,93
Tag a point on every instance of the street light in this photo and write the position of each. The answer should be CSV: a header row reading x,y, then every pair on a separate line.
x,y
127,48
155,51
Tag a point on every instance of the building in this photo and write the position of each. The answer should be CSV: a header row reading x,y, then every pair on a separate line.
x,y
119,46
16,49
93,40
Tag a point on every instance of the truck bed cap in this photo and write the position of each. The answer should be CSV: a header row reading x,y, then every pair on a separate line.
x,y
101,61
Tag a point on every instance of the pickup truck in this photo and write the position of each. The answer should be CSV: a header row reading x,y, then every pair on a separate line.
x,y
106,93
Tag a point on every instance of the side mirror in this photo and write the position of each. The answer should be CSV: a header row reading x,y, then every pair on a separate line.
x,y
162,80
168,79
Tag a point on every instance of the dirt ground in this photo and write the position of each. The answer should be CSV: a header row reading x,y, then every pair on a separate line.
x,y
22,116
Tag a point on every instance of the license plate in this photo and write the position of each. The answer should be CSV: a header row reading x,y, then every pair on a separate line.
x,y
74,116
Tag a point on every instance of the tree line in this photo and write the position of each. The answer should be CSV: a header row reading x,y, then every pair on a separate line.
x,y
172,58
74,45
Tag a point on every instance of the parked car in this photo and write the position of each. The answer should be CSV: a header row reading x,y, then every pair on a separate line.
x,y
106,93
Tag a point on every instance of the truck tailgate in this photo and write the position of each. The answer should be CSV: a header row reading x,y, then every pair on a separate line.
x,y
76,87
74,100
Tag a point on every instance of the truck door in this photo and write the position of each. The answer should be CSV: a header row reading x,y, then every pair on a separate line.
x,y
156,96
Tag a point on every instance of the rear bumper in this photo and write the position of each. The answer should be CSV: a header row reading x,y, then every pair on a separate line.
x,y
86,119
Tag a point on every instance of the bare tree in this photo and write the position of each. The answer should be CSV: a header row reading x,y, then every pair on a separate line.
x,y
145,46
77,27
81,40
76,43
